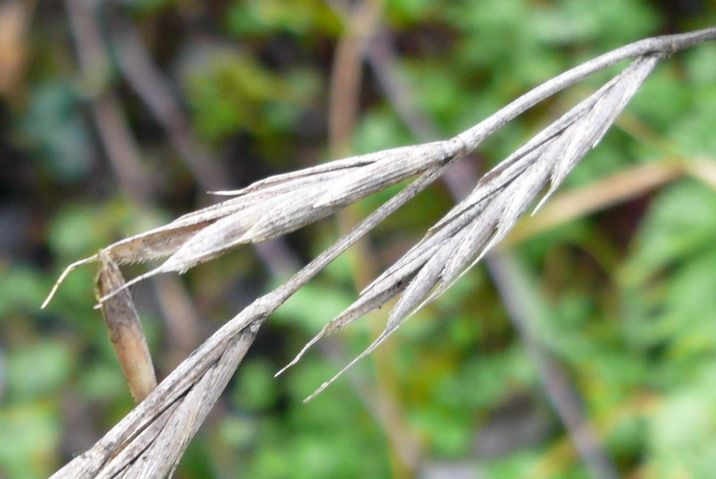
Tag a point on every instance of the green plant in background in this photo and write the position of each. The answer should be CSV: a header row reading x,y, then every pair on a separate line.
x,y
618,291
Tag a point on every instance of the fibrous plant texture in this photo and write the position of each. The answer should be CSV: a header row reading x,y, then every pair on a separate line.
x,y
150,440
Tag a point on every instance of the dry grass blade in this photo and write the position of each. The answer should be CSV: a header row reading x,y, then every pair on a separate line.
x,y
479,222
364,175
149,441
138,430
275,206
125,331
267,209
156,243
163,454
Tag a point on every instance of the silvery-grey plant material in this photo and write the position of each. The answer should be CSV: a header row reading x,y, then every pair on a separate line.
x,y
481,220
268,209
150,440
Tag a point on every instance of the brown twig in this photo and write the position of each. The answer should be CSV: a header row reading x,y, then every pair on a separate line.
x,y
15,18
360,23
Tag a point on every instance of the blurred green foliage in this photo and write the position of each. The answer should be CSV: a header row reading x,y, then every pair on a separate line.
x,y
232,91
624,300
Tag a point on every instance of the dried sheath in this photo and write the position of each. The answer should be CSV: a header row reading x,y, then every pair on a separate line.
x,y
125,330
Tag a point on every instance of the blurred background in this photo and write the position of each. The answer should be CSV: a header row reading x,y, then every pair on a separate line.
x,y
585,348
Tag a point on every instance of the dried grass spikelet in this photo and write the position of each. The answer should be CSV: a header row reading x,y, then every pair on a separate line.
x,y
150,440
475,225
268,209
